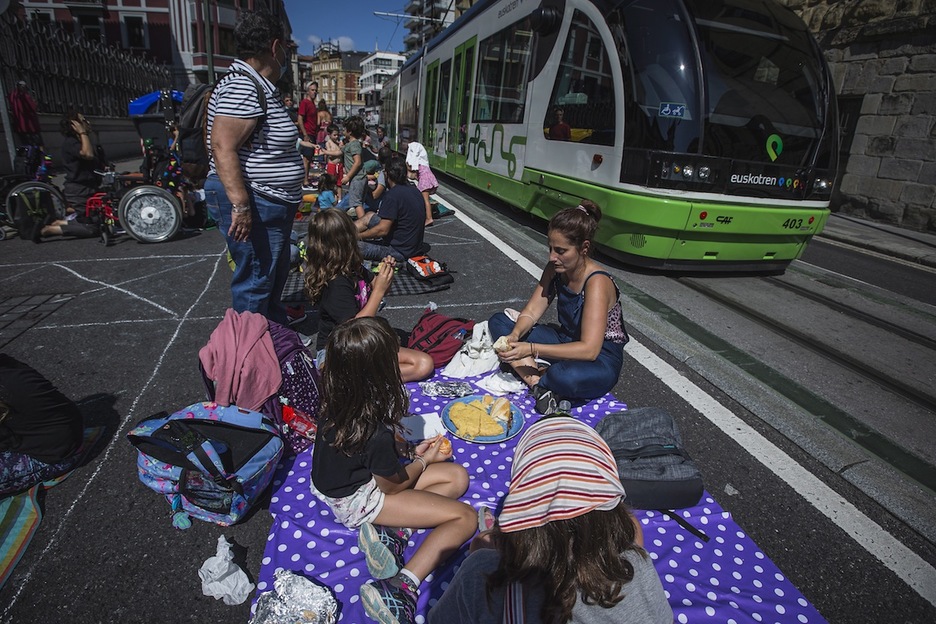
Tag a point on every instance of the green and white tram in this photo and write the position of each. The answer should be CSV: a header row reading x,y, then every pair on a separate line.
x,y
706,130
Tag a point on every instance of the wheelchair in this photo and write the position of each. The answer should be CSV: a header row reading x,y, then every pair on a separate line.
x,y
148,213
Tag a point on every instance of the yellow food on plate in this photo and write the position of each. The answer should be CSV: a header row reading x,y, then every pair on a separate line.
x,y
474,422
501,344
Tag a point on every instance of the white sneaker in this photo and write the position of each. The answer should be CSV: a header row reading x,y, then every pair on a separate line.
x,y
306,340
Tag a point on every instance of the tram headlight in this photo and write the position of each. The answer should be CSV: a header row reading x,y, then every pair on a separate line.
x,y
821,188
687,172
704,172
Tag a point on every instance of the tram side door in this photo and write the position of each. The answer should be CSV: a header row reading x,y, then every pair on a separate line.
x,y
462,80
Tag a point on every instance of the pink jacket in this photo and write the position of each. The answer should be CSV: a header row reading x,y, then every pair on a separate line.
x,y
240,359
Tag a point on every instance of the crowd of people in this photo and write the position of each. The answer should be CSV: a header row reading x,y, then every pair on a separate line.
x,y
547,557
377,210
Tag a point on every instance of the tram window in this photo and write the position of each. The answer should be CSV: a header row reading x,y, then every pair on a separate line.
x,y
762,80
445,79
659,66
582,106
503,60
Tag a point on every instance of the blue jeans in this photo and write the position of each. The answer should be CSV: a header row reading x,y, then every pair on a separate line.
x,y
569,379
261,262
377,251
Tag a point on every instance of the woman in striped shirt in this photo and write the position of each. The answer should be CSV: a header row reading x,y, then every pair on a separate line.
x,y
254,183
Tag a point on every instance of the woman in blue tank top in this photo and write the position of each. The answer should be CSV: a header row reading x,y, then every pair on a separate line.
x,y
581,359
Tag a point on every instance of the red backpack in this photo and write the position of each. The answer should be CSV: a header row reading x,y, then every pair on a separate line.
x,y
440,336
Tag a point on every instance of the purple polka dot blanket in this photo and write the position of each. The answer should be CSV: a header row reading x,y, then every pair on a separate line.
x,y
727,579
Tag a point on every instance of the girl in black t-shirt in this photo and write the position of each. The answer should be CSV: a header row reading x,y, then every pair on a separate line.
x,y
356,470
336,281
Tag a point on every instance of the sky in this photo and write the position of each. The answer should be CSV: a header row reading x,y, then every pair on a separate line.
x,y
352,24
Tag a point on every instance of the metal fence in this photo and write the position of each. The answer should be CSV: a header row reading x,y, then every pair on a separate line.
x,y
65,71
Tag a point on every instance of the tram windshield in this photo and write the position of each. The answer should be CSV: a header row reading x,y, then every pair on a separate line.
x,y
743,81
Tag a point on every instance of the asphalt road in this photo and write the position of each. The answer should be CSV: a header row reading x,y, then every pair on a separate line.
x,y
119,329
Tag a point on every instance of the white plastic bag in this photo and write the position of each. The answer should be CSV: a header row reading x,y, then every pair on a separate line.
x,y
476,357
221,578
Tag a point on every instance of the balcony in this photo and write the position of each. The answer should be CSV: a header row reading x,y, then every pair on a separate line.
x,y
414,6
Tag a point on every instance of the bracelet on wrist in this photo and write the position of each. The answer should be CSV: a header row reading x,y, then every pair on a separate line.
x,y
422,461
240,208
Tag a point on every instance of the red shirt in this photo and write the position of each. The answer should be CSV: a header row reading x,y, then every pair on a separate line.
x,y
309,112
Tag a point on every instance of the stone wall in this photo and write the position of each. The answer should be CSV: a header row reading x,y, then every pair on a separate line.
x,y
882,54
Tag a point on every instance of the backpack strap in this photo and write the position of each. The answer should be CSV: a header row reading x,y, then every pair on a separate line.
x,y
261,98
682,522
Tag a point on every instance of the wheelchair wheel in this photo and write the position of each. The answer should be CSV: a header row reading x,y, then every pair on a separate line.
x,y
149,214
22,196
107,234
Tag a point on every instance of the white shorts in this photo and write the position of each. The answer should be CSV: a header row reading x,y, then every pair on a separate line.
x,y
356,509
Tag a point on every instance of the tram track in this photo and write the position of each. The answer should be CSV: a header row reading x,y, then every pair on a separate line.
x,y
892,383
852,427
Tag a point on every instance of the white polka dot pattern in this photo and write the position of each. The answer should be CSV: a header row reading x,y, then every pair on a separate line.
x,y
726,580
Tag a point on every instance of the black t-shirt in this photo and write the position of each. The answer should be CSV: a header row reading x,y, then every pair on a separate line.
x,y
77,169
338,475
43,423
404,205
341,300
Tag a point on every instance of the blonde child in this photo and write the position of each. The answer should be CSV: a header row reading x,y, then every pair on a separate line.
x,y
357,472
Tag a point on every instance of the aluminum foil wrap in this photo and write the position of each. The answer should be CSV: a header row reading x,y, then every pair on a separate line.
x,y
450,389
296,600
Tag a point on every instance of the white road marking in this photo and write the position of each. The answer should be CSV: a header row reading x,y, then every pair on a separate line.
x,y
906,564
117,439
122,290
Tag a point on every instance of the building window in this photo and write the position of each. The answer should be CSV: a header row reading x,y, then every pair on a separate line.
x,y
90,27
41,17
134,31
226,44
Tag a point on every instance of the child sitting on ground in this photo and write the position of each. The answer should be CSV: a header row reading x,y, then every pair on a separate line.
x,y
356,469
336,281
326,191
417,165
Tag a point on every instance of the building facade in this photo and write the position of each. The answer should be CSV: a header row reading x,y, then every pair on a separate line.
x,y
376,69
186,35
337,74
883,58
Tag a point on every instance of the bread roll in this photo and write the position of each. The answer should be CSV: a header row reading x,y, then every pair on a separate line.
x,y
501,412
501,344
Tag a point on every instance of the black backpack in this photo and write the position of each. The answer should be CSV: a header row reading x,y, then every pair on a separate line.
x,y
655,470
193,127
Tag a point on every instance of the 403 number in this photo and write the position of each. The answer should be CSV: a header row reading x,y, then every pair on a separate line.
x,y
793,224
